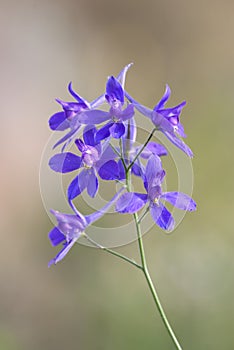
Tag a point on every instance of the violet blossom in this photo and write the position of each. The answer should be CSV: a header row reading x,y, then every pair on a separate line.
x,y
131,202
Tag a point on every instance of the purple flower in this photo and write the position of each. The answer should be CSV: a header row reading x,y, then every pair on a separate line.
x,y
68,117
116,117
93,157
166,119
70,227
132,202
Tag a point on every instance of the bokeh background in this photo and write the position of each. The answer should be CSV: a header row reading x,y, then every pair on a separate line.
x,y
92,300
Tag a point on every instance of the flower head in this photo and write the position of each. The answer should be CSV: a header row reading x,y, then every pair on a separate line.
x,y
70,227
93,156
167,120
132,202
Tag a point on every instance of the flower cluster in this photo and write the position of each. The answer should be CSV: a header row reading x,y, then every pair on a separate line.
x,y
107,151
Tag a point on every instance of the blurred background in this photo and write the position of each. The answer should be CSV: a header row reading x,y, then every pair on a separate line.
x,y
91,300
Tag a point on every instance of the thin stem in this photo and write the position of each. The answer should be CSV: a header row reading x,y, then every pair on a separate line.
x,y
110,251
142,148
151,285
143,215
115,150
146,271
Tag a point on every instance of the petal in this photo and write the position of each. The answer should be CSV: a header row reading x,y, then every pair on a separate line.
x,y
98,101
65,162
117,130
76,96
92,185
114,90
94,116
107,154
131,202
161,122
63,252
179,143
121,173
58,121
98,214
122,75
129,136
153,167
68,137
127,113
180,200
77,185
56,236
153,148
162,216
164,99
89,135
109,171
136,169
173,112
142,109
103,133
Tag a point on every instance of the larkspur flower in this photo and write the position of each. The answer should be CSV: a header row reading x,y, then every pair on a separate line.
x,y
131,202
167,120
69,117
93,157
116,117
70,227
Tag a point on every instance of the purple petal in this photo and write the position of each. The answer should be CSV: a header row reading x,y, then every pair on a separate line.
x,y
68,137
172,113
117,130
65,162
89,135
129,136
108,154
78,184
161,122
63,252
142,109
127,113
98,214
56,236
76,96
121,174
153,148
153,167
58,121
92,185
109,171
162,217
136,169
180,200
131,202
94,116
179,143
164,99
122,75
103,133
114,90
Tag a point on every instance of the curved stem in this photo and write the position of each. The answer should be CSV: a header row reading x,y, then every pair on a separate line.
x,y
142,149
113,252
151,286
146,271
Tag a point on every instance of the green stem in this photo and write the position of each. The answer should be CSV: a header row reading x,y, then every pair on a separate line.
x,y
110,251
146,271
151,286
142,149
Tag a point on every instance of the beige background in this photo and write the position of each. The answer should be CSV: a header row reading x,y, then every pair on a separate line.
x,y
93,301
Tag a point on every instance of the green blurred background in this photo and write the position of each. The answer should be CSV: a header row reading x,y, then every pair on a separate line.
x,y
92,300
